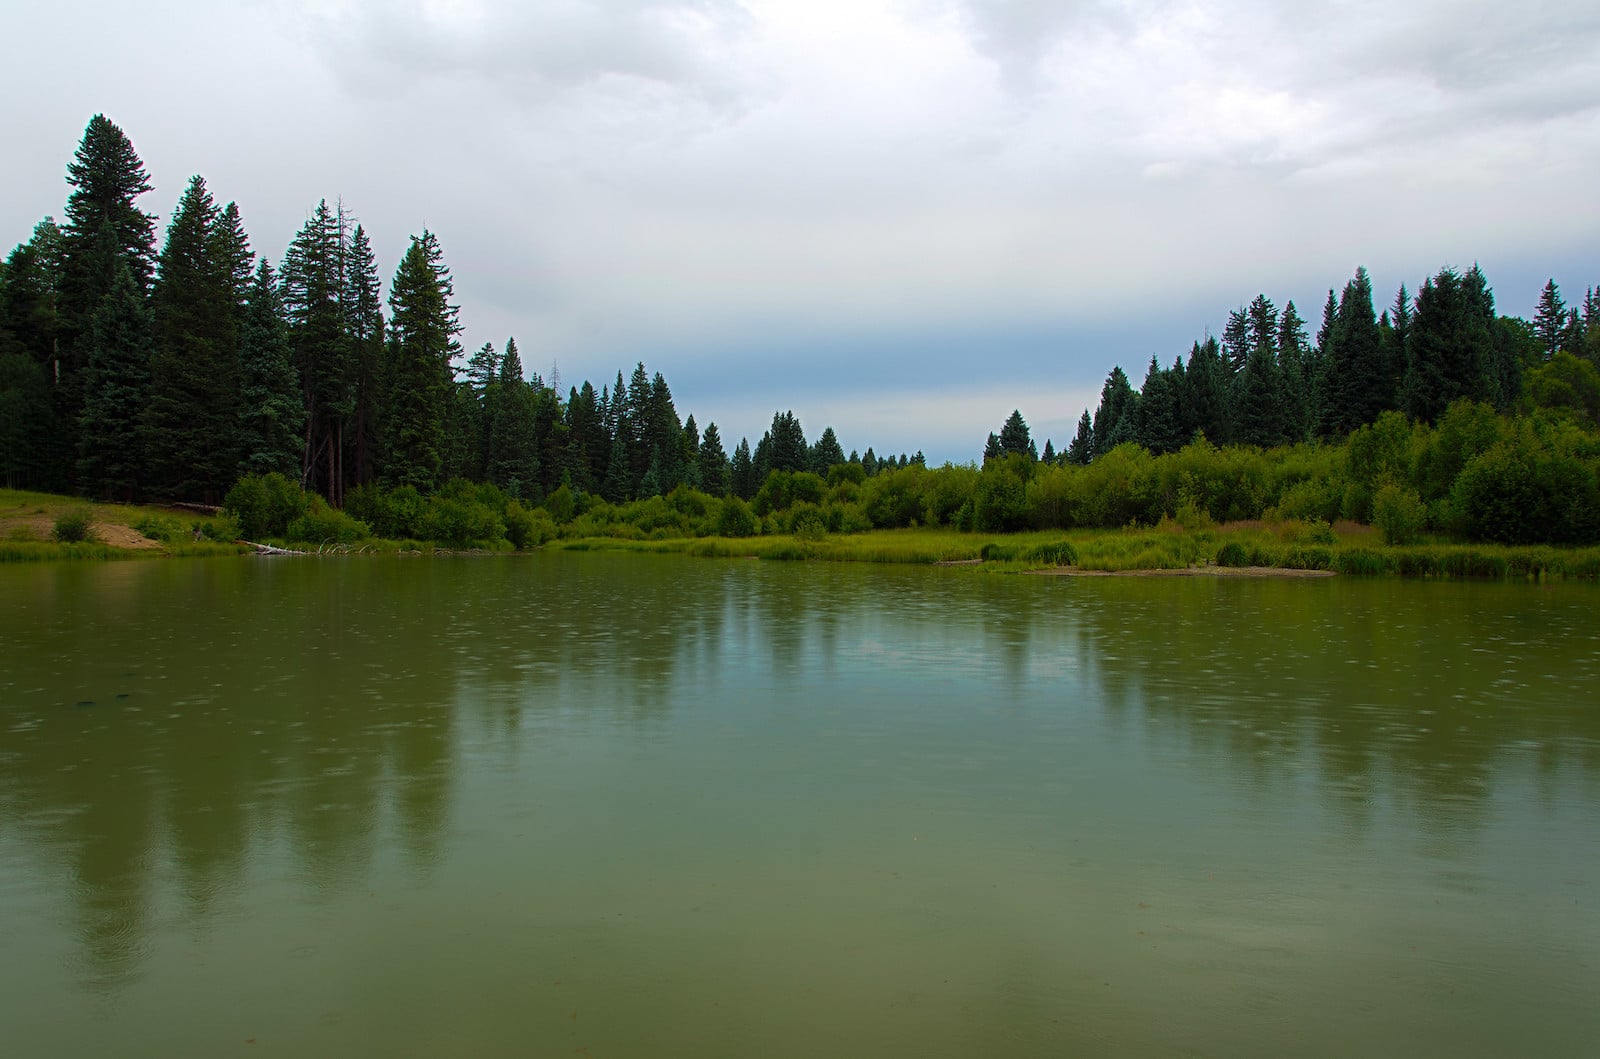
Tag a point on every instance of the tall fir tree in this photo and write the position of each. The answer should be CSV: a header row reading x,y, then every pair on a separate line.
x,y
362,304
742,471
111,442
1117,418
1081,449
424,321
193,414
1294,368
1358,383
1160,427
1550,319
311,282
514,465
1449,347
271,415
103,232
714,470
32,444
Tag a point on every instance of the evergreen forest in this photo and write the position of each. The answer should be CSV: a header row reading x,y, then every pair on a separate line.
x,y
314,407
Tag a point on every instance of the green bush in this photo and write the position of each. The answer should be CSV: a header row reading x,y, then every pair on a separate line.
x,y
159,528
75,526
527,529
265,505
736,519
1399,514
1233,554
1055,553
322,524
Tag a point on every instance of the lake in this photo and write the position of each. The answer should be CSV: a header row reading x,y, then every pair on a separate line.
x,y
628,805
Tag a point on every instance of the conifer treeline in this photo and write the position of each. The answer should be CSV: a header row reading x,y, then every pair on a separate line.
x,y
128,374
1266,383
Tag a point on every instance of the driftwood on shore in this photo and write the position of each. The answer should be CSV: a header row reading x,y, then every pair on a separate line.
x,y
273,549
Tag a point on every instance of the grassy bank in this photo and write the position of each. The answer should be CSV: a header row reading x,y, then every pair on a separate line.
x,y
43,526
123,531
1346,549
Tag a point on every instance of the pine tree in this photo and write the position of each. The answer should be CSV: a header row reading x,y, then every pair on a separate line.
x,y
1258,401
1117,419
311,282
1016,439
826,452
32,451
1550,319
1294,363
1204,403
111,442
515,463
1450,349
362,305
103,232
1159,428
1359,385
1236,343
424,321
788,441
1048,456
618,485
742,471
714,470
193,414
1081,449
271,416
1263,317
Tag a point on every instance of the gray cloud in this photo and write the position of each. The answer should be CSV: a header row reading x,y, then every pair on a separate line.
x,y
532,51
764,200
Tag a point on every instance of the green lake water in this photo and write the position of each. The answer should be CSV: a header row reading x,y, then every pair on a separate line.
x,y
618,805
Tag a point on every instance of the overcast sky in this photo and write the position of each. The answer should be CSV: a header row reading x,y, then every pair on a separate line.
x,y
903,219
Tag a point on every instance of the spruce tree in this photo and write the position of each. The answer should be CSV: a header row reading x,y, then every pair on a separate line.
x,y
1204,402
617,488
1359,385
32,453
424,322
826,452
1450,349
271,416
1016,439
103,232
1550,319
193,413
1081,449
111,442
515,463
742,471
362,305
312,284
1159,428
714,470
1117,419
1293,369
1236,341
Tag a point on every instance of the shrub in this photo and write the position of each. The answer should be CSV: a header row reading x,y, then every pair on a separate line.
x,y
159,528
265,505
736,519
1055,553
1233,554
527,529
322,524
1399,514
75,526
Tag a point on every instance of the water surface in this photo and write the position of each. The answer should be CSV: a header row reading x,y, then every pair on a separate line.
x,y
633,805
